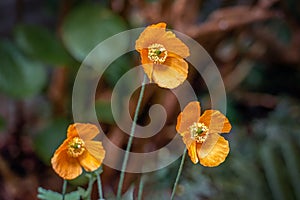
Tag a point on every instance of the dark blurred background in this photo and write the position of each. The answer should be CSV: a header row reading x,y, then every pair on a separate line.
x,y
255,44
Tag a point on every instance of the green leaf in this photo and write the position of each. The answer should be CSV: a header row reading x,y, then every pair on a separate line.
x,y
104,113
39,43
44,194
19,76
117,69
82,192
47,140
88,25
80,180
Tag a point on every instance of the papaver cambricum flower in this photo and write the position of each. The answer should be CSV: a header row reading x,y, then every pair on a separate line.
x,y
162,56
77,151
201,134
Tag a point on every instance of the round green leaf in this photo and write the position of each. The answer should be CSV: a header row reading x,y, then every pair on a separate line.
x,y
41,44
19,76
87,26
47,140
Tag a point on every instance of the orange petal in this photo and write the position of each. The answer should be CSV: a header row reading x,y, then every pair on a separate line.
x,y
159,25
64,165
89,162
213,151
84,131
150,36
193,153
189,115
146,63
144,56
208,145
96,149
173,45
215,121
72,132
186,137
178,124
171,73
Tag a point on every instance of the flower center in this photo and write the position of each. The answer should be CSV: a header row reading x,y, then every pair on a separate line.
x,y
198,132
75,147
157,53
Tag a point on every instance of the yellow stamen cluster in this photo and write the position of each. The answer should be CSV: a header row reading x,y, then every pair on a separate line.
x,y
198,132
157,53
76,147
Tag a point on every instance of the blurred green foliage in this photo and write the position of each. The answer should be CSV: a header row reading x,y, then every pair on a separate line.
x,y
50,50
88,25
104,113
265,144
49,139
263,165
20,77
117,69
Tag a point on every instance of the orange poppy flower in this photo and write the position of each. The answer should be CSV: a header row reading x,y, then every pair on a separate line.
x,y
201,134
162,56
78,151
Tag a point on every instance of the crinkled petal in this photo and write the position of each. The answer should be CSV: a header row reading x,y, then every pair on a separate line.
x,y
213,151
186,138
215,121
193,153
171,73
208,145
173,44
189,115
84,131
64,165
89,162
96,149
177,62
150,36
146,63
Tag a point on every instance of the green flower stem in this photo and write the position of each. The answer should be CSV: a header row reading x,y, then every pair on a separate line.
x,y
178,174
64,188
141,187
88,191
99,186
125,161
